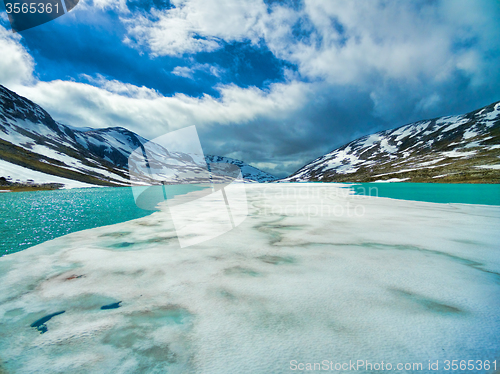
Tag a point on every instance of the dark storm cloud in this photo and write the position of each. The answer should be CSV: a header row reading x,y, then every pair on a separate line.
x,y
329,120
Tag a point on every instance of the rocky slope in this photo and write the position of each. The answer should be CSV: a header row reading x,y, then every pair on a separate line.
x,y
248,171
34,148
453,149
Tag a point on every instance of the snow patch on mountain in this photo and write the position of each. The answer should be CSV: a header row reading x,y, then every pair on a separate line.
x,y
457,147
18,174
31,139
248,172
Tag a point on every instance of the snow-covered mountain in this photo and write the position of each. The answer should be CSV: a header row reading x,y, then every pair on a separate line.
x,y
36,149
248,171
464,148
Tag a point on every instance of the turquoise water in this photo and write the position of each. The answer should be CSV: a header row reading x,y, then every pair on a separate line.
x,y
30,218
486,194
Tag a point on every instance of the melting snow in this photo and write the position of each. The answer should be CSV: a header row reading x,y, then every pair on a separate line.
x,y
371,139
386,147
473,144
343,162
392,180
456,153
495,167
492,115
470,133
456,124
432,162
403,132
22,174
399,281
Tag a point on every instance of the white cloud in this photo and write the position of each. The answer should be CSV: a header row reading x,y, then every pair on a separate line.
x,y
116,5
16,64
340,42
352,42
392,51
430,102
150,114
168,35
183,71
104,103
242,110
195,26
189,71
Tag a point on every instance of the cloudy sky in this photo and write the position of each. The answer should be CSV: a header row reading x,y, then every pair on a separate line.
x,y
273,83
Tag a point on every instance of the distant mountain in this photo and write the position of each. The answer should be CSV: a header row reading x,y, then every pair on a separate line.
x,y
36,149
454,149
248,171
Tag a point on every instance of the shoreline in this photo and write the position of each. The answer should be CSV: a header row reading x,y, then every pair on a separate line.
x,y
398,283
26,187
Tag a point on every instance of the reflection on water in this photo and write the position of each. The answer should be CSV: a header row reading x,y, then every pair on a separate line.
x,y
30,218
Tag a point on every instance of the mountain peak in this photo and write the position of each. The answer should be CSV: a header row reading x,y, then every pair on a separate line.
x,y
461,148
33,144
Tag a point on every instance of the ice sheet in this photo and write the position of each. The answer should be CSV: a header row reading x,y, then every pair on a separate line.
x,y
313,273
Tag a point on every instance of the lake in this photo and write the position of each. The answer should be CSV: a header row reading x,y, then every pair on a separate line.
x,y
485,194
30,218
404,282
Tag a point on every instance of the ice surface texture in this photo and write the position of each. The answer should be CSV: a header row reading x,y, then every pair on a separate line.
x,y
397,281
222,207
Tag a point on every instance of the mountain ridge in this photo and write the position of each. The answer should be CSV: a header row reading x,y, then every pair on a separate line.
x,y
450,149
31,140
